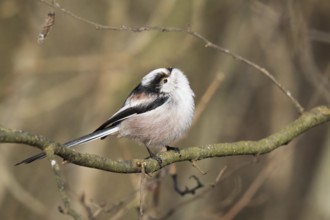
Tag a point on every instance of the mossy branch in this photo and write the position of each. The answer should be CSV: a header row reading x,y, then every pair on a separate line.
x,y
306,121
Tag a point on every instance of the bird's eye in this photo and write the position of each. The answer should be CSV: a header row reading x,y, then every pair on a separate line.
x,y
165,80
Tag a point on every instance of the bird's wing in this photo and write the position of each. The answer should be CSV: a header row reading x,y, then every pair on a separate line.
x,y
129,110
110,126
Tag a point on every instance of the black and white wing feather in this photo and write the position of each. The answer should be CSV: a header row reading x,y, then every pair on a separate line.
x,y
141,100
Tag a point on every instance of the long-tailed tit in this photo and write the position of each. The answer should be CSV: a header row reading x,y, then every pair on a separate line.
x,y
156,113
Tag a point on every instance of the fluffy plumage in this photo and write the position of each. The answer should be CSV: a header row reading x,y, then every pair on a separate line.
x,y
156,113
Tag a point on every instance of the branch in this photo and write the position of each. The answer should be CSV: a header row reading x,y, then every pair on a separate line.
x,y
306,121
187,190
208,188
246,198
55,5
61,185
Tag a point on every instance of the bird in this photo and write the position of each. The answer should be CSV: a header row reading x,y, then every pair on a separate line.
x,y
157,112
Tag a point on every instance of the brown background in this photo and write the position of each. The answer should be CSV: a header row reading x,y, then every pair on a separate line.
x,y
79,76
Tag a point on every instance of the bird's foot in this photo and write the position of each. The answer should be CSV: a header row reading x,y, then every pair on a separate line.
x,y
155,157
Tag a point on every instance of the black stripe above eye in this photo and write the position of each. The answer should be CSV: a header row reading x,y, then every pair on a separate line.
x,y
158,79
153,86
146,89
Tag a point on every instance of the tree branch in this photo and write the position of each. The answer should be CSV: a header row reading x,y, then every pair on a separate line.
x,y
306,121
62,188
55,5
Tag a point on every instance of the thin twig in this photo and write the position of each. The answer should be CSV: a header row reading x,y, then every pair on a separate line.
x,y
306,121
186,31
208,94
123,204
195,165
10,185
207,189
88,209
187,190
249,193
220,178
61,185
143,173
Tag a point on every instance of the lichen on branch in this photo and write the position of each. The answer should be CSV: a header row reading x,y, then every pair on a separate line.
x,y
305,122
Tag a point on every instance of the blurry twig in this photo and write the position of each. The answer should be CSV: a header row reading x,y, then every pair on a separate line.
x,y
249,193
60,180
186,191
159,14
143,173
90,214
118,208
186,31
195,165
320,36
9,184
208,94
207,189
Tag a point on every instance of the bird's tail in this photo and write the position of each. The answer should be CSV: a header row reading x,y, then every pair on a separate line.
x,y
84,139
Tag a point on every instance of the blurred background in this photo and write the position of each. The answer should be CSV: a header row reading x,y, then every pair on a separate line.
x,y
68,85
